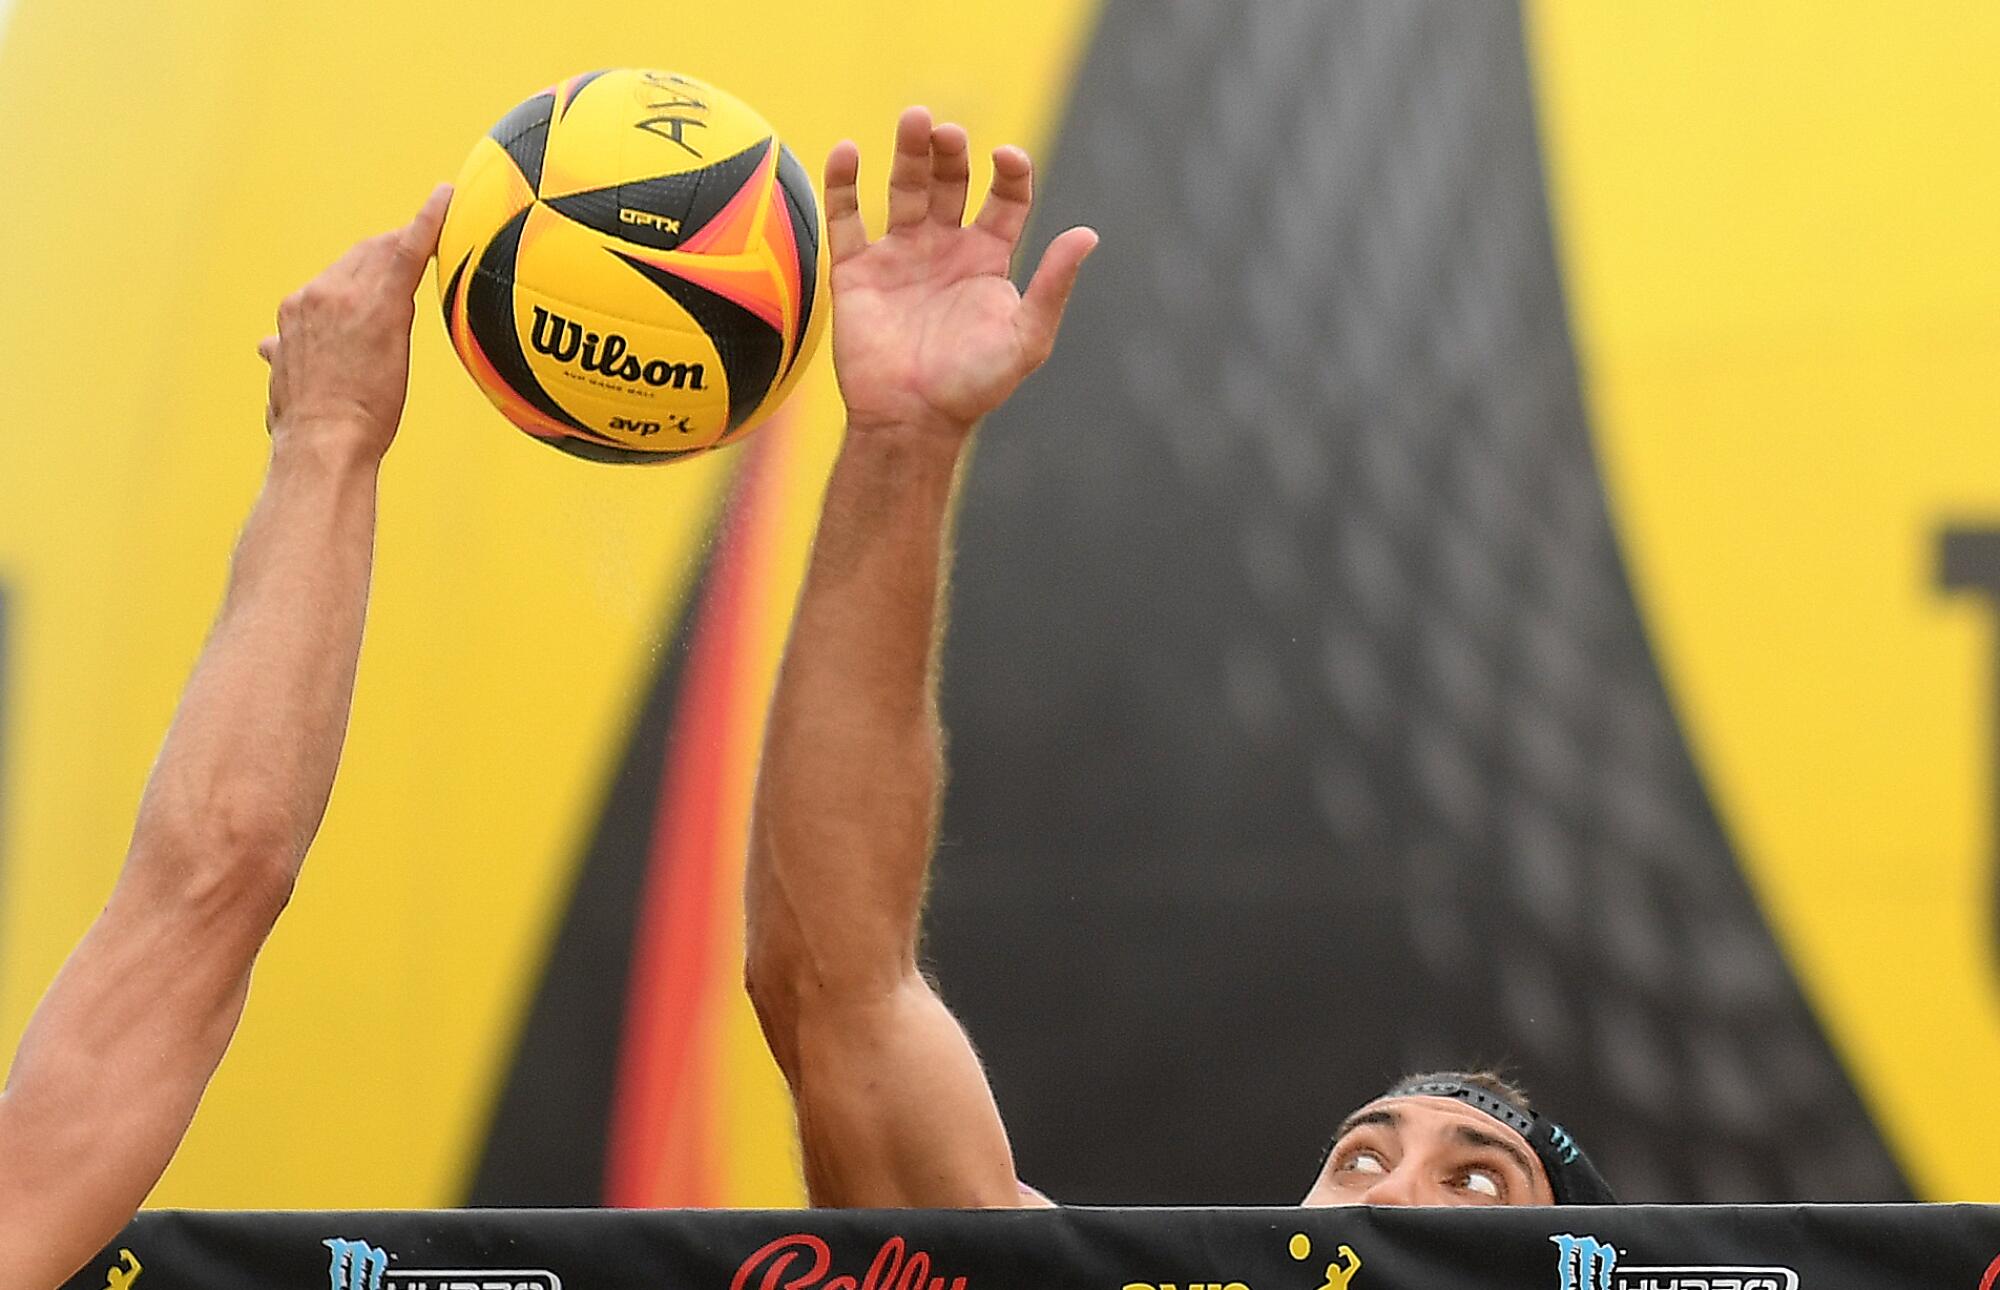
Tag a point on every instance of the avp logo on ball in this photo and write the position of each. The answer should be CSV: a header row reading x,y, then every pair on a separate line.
x,y
610,355
676,108
1587,1263
357,1265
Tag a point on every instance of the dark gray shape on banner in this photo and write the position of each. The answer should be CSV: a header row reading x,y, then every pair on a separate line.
x,y
1304,730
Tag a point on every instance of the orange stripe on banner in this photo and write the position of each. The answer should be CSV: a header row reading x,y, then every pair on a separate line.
x,y
665,1114
769,580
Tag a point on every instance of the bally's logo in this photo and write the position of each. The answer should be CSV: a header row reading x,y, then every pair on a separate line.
x,y
1586,1263
803,1261
357,1265
609,355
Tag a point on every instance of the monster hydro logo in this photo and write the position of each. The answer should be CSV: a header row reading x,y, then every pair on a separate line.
x,y
1588,1263
358,1265
1584,1262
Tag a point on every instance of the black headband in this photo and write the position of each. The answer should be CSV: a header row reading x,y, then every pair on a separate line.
x,y
1573,1179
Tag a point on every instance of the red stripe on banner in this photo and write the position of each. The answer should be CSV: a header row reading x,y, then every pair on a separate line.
x,y
665,1115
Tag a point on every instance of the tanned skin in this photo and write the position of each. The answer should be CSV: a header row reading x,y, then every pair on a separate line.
x,y
893,1106
116,1058
1428,1151
929,335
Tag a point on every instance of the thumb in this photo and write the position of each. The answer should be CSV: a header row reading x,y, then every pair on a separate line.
x,y
1042,304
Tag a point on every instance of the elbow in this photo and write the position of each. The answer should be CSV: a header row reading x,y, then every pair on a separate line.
x,y
789,990
797,994
776,963
774,998
229,862
774,956
810,964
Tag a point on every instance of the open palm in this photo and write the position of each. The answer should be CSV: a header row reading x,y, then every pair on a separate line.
x,y
928,332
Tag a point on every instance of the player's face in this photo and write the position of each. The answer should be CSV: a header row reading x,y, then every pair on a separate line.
x,y
1429,1151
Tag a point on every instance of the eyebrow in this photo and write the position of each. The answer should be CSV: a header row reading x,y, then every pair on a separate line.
x,y
1361,1119
1464,1133
1481,1138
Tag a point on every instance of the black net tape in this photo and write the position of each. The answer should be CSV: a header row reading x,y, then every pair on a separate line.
x,y
1876,1247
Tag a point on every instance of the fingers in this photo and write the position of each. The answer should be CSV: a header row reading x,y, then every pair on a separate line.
x,y
845,234
419,238
910,172
928,179
951,170
416,242
267,349
1005,212
401,254
1042,304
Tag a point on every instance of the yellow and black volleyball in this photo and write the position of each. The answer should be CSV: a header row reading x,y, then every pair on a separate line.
x,y
631,266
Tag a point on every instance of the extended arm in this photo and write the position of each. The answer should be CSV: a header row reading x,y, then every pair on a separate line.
x,y
115,1059
929,336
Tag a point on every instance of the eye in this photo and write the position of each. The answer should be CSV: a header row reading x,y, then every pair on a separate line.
x,y
1482,1182
1365,1162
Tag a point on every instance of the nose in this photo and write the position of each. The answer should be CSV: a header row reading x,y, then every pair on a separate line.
x,y
1400,1186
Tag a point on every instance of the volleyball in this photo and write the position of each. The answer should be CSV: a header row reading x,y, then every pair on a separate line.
x,y
630,269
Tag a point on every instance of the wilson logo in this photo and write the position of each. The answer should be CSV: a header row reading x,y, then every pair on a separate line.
x,y
610,355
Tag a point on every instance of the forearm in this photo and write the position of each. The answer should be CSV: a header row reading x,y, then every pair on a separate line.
x,y
893,1107
929,336
845,816
115,1060
248,765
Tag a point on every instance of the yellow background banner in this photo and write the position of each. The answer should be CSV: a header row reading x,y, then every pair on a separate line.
x,y
1776,224
175,171
1777,228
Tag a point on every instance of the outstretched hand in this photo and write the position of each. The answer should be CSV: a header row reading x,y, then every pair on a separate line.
x,y
340,363
928,332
